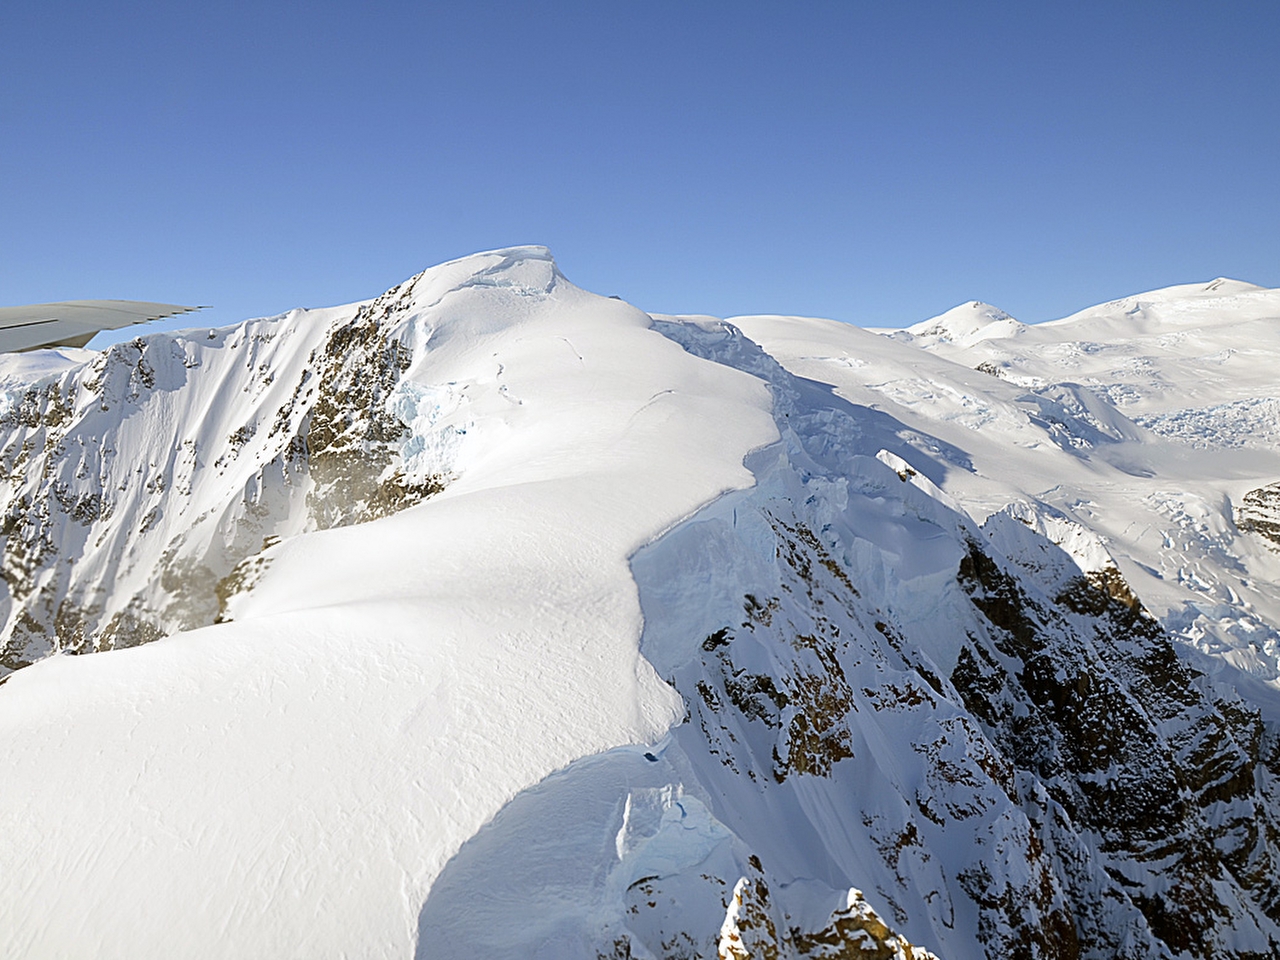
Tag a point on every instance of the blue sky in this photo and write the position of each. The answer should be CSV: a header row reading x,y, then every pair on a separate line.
x,y
872,162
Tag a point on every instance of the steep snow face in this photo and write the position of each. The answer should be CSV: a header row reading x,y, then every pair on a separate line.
x,y
142,486
985,684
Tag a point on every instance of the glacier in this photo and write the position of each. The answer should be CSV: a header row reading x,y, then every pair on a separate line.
x,y
494,618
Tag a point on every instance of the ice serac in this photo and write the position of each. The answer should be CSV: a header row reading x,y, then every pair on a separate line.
x,y
496,619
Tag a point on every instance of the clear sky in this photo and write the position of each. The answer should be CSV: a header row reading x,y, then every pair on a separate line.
x,y
872,162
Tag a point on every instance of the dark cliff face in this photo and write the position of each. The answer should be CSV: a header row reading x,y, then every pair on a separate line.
x,y
1133,747
1111,802
818,678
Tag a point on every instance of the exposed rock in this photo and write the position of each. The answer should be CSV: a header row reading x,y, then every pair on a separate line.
x,y
1115,726
1259,512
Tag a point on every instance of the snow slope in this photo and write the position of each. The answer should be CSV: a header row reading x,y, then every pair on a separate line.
x,y
290,783
492,618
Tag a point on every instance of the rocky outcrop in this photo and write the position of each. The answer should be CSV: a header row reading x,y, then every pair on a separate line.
x,y
1259,512
854,932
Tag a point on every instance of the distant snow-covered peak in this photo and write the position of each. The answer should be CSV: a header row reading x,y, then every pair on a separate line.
x,y
1213,289
1174,351
964,325
1183,303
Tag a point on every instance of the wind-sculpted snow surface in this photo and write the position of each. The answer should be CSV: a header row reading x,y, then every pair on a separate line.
x,y
550,629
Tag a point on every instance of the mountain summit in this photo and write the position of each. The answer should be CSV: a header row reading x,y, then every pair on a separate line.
x,y
966,324
494,618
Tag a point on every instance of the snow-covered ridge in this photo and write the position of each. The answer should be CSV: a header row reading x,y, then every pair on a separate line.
x,y
823,629
549,628
385,686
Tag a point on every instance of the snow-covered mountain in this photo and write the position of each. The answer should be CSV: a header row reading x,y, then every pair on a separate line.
x,y
493,618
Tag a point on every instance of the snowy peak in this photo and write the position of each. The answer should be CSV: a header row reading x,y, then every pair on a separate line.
x,y
1175,360
527,270
964,325
168,473
1169,310
1225,286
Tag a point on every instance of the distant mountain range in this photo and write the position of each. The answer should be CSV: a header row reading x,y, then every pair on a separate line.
x,y
491,618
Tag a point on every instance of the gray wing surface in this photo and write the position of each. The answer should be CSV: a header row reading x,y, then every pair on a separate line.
x,y
74,322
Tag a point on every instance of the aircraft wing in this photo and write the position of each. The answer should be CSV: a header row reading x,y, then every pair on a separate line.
x,y
74,322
